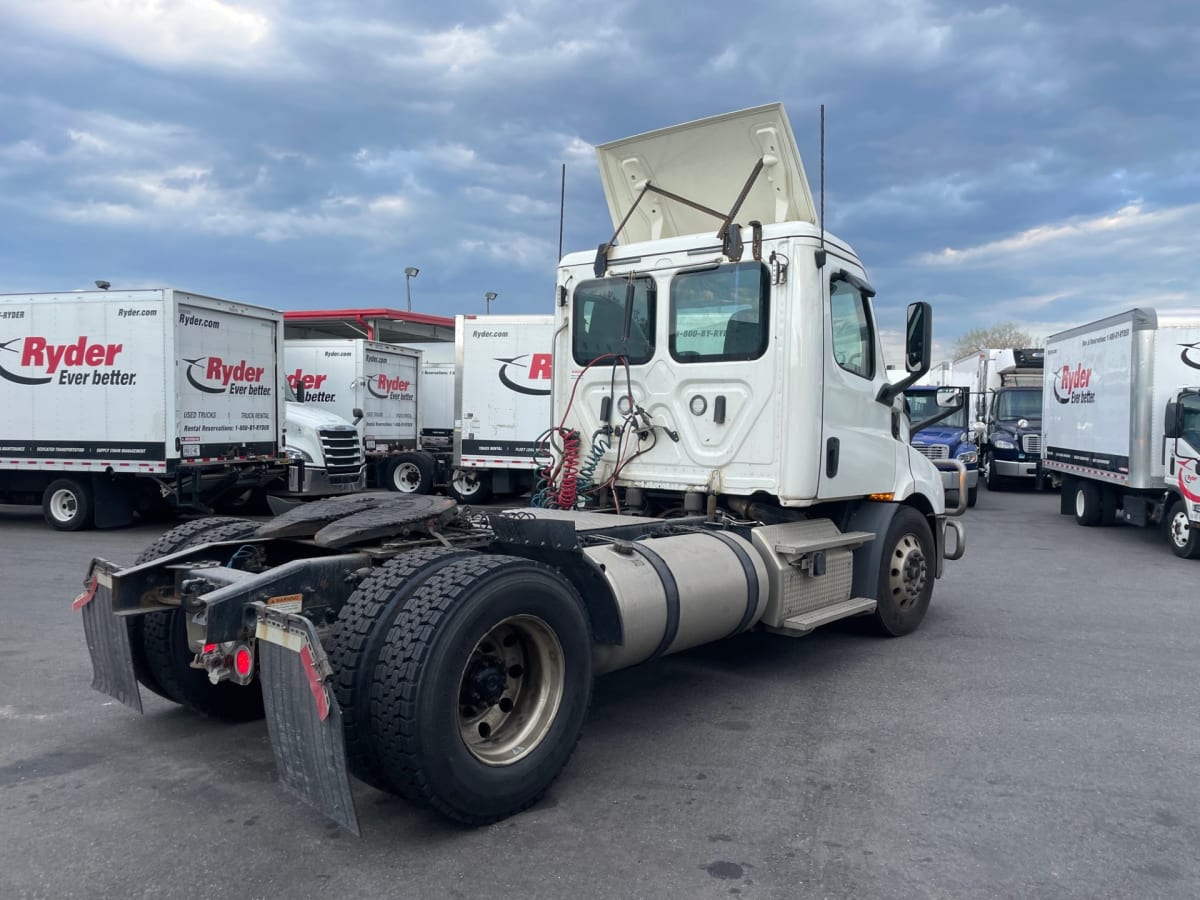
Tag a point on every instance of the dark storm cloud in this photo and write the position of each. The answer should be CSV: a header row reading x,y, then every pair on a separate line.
x,y
1006,161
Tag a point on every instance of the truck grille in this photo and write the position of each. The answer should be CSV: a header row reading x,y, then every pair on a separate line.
x,y
934,451
343,455
1032,444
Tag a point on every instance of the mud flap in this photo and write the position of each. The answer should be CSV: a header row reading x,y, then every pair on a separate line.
x,y
107,637
303,716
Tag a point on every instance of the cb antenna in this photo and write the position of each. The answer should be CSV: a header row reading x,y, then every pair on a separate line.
x,y
820,254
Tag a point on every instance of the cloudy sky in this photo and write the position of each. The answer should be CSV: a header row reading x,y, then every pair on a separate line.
x,y
1030,161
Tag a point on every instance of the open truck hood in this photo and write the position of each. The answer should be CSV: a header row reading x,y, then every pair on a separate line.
x,y
708,162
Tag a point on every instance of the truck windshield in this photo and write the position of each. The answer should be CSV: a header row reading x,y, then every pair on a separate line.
x,y
1019,404
923,405
1189,419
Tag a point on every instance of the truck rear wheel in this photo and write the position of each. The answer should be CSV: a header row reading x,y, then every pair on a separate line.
x,y
1088,511
167,657
482,687
411,473
471,485
1183,537
906,574
357,638
67,504
178,538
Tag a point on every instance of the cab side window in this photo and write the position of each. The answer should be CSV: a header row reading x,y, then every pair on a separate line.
x,y
853,337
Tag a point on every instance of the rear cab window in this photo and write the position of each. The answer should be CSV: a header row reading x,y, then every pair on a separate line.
x,y
720,314
599,317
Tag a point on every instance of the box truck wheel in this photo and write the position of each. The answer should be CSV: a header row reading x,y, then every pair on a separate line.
x,y
972,495
168,657
67,504
411,473
1184,537
358,635
471,485
988,473
906,574
1088,511
178,538
482,687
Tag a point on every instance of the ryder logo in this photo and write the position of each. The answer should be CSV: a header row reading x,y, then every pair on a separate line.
x,y
1191,355
1189,481
1072,385
213,375
537,370
42,360
387,388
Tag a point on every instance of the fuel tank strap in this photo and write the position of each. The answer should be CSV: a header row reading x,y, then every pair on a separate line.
x,y
751,574
670,592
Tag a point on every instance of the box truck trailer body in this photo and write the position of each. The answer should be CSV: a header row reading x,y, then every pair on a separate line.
x,y
140,400
435,385
1121,417
366,382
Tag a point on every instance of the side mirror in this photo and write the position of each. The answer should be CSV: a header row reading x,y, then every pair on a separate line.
x,y
918,345
299,390
1171,420
949,398
918,342
358,415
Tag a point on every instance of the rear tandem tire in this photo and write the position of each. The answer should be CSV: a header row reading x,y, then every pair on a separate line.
x,y
358,636
67,505
166,658
411,472
482,687
471,485
172,541
906,574
1088,510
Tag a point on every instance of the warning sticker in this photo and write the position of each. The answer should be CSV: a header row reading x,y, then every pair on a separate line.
x,y
288,603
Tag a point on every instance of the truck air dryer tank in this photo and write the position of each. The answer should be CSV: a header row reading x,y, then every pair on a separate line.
x,y
679,591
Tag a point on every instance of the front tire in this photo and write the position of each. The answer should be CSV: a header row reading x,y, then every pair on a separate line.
x,y
411,473
994,482
67,505
482,688
1183,537
972,496
906,574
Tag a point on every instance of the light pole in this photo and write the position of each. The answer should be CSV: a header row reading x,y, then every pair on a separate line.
x,y
489,297
409,274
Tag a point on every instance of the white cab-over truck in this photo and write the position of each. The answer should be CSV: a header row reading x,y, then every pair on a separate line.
x,y
1122,422
755,473
372,384
147,401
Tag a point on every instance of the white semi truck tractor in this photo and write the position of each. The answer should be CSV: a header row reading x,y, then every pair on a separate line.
x,y
1121,419
728,455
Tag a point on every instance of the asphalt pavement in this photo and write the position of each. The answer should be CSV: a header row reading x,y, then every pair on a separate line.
x,y
1037,737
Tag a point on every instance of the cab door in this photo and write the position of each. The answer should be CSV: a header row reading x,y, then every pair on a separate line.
x,y
859,451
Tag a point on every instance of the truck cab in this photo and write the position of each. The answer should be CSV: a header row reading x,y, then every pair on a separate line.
x,y
1012,384
948,438
325,450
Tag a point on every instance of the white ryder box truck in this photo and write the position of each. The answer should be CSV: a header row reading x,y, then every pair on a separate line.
x,y
1121,419
502,395
136,401
366,382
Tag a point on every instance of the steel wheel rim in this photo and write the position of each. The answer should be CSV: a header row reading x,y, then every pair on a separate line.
x,y
907,571
407,477
1181,529
63,505
510,690
1080,504
465,484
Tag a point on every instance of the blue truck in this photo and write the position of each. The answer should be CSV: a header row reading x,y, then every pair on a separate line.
x,y
949,438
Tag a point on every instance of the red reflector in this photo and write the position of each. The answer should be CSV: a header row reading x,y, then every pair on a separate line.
x,y
243,661
210,648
